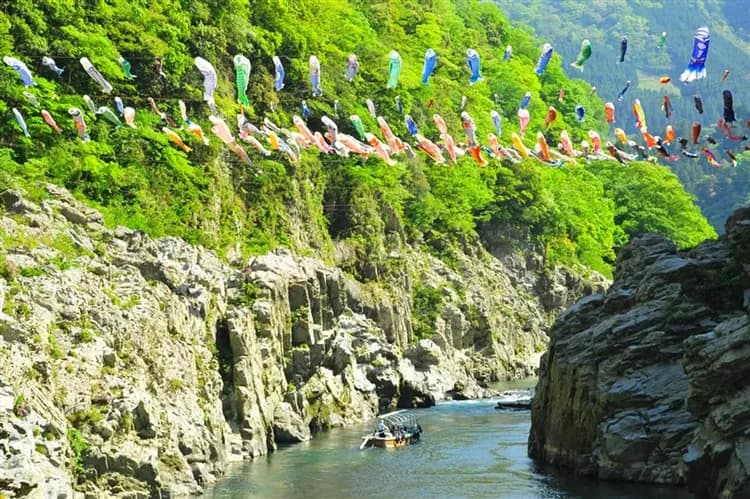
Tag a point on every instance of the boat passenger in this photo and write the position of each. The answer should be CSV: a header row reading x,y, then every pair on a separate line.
x,y
382,428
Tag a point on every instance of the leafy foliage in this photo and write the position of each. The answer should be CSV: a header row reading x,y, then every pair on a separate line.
x,y
80,447
427,302
649,199
138,178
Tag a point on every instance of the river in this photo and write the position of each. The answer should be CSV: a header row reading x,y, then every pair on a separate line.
x,y
468,450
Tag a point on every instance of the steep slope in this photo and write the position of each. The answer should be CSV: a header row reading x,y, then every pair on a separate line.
x,y
649,381
147,365
565,24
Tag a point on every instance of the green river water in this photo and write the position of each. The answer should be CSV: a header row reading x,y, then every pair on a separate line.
x,y
468,449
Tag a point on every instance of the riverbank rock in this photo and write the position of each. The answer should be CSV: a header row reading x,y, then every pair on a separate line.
x,y
30,461
151,363
648,382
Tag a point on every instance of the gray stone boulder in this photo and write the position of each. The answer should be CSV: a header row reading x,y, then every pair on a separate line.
x,y
288,426
418,387
424,354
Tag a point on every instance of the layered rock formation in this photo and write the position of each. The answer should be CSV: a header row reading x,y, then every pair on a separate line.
x,y
145,365
649,382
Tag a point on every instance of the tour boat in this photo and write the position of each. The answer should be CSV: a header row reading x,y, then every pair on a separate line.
x,y
515,399
395,429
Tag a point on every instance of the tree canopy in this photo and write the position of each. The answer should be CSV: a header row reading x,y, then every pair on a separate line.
x,y
138,178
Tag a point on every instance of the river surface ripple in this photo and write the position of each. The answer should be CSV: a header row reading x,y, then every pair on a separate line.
x,y
469,449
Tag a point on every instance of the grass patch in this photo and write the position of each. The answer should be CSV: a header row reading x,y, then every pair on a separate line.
x,y
80,448
172,462
53,347
176,385
85,335
426,304
61,262
32,272
88,418
248,294
651,83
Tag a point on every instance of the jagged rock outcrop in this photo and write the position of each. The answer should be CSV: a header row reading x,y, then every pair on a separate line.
x,y
154,363
30,461
649,382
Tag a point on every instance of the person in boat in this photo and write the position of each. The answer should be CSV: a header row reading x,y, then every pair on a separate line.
x,y
400,431
382,429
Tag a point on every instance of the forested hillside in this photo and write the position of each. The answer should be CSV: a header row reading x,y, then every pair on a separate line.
x,y
565,24
139,179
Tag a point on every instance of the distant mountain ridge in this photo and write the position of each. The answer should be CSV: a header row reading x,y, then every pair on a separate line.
x,y
565,24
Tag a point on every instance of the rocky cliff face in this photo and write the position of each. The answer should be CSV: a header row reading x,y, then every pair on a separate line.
x,y
133,365
649,382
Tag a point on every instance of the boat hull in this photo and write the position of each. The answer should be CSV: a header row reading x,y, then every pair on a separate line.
x,y
514,404
515,399
388,442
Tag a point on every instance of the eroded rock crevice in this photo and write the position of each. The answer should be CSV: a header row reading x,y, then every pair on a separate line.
x,y
225,360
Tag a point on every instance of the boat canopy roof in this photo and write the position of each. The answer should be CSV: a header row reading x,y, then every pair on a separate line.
x,y
399,417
